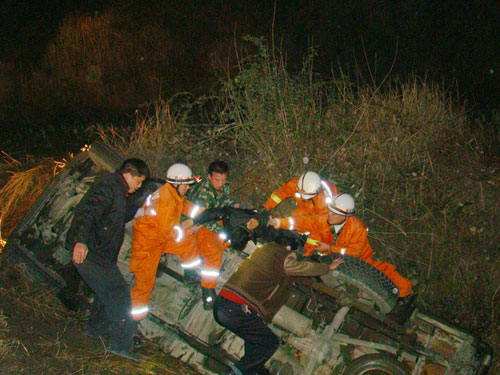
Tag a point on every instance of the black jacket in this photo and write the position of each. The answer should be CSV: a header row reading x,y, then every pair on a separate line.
x,y
100,217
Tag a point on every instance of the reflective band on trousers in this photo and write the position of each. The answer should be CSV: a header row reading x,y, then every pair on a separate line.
x,y
312,242
194,211
276,198
193,264
180,233
292,222
210,273
139,310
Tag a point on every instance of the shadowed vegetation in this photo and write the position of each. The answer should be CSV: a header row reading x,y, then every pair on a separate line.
x,y
20,185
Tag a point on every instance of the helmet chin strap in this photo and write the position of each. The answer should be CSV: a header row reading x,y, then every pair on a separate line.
x,y
176,187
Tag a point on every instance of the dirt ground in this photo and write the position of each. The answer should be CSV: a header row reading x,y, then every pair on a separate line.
x,y
38,335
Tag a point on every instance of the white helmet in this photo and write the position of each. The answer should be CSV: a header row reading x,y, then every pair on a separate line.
x,y
179,173
342,204
309,185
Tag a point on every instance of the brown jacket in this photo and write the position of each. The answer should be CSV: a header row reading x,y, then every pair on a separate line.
x,y
265,279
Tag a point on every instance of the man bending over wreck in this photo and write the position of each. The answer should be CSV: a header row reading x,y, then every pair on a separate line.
x,y
257,290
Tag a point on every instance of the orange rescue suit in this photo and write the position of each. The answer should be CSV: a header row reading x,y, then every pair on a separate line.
x,y
353,238
210,246
316,205
157,232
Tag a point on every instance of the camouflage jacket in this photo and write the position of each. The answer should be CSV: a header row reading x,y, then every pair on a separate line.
x,y
205,196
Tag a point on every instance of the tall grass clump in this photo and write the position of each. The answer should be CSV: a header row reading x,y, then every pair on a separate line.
x,y
97,66
164,133
404,150
25,182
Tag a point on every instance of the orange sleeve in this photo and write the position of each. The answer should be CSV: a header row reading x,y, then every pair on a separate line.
x,y
285,191
317,227
166,214
187,208
354,239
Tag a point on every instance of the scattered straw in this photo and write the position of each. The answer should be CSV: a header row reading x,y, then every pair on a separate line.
x,y
24,185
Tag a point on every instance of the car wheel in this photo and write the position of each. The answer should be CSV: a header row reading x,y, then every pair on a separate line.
x,y
376,364
362,282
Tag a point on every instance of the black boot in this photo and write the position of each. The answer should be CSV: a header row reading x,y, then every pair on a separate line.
x,y
208,295
403,309
191,277
125,354
137,341
122,339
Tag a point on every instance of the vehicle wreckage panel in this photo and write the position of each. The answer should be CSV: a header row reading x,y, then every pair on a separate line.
x,y
319,335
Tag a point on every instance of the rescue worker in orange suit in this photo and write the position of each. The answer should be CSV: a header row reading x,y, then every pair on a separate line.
x,y
157,230
339,231
310,192
211,241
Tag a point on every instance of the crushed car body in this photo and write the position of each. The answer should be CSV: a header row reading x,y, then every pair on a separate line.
x,y
340,324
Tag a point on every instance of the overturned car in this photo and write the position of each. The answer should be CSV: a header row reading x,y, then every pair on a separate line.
x,y
339,324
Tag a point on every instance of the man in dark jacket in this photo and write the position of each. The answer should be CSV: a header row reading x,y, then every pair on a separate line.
x,y
95,237
253,295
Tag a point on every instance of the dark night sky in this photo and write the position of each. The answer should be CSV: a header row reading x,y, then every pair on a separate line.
x,y
456,42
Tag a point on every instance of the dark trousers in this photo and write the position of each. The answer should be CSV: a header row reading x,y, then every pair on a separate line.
x,y
110,313
260,341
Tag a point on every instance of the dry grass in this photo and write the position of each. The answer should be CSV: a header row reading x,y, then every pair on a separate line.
x,y
96,66
39,336
25,182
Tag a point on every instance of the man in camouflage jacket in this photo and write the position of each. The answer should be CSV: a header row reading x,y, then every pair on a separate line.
x,y
211,241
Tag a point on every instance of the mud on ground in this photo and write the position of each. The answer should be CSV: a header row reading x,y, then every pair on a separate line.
x,y
38,335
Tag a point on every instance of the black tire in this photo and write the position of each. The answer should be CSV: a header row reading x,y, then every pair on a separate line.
x,y
376,364
105,156
360,279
